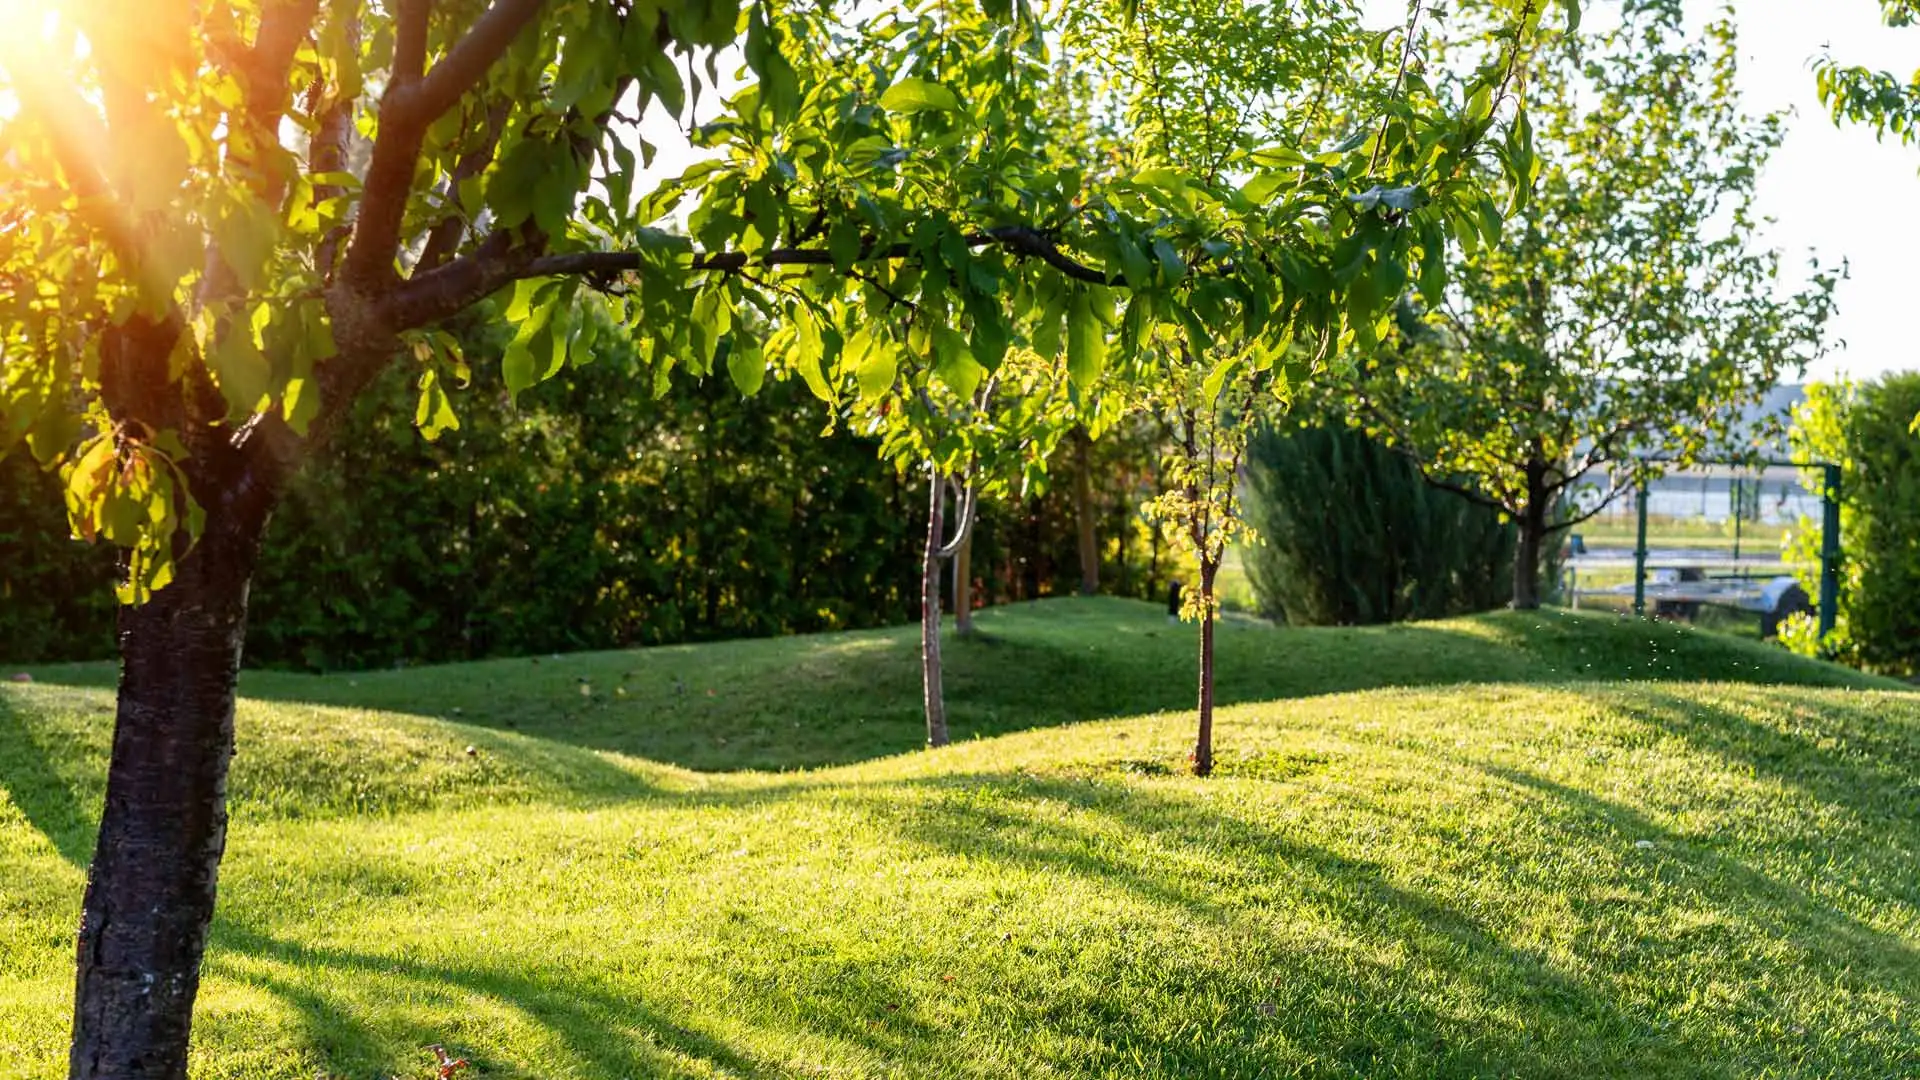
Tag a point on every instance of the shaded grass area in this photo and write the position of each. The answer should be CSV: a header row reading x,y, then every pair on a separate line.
x,y
829,699
1569,879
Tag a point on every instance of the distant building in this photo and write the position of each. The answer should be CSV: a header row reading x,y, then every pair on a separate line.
x,y
1772,494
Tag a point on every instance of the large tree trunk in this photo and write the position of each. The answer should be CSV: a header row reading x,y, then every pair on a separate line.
x,y
1526,569
150,892
1083,510
1532,521
930,616
1203,744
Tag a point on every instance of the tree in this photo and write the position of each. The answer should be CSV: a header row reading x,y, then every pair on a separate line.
x,y
1351,533
1619,322
220,222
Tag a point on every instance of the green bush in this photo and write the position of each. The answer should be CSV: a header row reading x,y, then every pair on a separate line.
x,y
56,593
1868,431
1351,534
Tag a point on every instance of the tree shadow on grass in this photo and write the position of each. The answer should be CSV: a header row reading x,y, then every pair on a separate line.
x,y
39,790
1420,986
1840,751
598,1031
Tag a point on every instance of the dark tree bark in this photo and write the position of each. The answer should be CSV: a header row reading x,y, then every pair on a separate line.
x,y
1083,511
1532,522
963,588
1203,743
150,890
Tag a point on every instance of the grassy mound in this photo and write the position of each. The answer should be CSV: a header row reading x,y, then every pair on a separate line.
x,y
1510,845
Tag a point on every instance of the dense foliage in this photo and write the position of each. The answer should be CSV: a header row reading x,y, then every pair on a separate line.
x,y
587,516
1868,430
56,598
1351,533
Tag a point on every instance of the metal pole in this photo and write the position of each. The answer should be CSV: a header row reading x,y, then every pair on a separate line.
x,y
1640,552
1830,550
1739,511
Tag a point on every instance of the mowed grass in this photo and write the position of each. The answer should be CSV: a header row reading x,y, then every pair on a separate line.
x,y
1513,845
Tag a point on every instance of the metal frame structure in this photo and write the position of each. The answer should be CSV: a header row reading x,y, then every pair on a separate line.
x,y
1830,552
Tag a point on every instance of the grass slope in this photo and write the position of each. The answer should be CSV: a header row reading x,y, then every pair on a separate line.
x,y
1510,845
832,699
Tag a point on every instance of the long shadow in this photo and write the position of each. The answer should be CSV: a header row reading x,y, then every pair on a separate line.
x,y
1837,750
1840,944
591,1022
42,794
1252,866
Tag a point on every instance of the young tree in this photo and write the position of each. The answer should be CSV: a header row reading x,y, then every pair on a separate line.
x,y
221,220
1347,221
1619,322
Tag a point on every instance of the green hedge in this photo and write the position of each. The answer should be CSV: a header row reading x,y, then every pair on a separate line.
x,y
589,515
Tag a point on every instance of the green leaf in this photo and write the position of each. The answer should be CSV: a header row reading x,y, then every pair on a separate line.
x,y
243,374
1086,341
912,95
516,367
434,414
1216,379
953,364
1170,263
875,362
814,355
844,244
747,364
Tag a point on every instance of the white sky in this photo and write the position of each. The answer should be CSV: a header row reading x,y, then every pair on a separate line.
x,y
1837,189
1833,190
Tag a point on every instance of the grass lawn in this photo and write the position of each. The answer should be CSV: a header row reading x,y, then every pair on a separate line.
x,y
1553,844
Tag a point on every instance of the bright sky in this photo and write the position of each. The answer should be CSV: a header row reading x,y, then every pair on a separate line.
x,y
1837,189
1834,190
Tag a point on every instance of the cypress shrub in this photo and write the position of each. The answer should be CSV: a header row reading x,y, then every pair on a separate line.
x,y
1352,534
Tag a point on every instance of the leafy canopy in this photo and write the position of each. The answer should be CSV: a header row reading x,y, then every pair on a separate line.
x,y
220,221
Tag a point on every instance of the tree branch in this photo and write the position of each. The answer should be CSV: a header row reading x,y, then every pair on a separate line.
x,y
411,102
409,46
446,236
465,64
426,298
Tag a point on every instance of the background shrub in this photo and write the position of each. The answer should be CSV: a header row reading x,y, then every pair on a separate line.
x,y
1868,431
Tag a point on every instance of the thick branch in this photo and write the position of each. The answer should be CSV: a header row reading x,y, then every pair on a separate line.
x,y
464,65
283,26
965,528
1019,239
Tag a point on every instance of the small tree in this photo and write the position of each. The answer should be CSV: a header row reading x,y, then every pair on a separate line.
x,y
1620,321
1369,171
